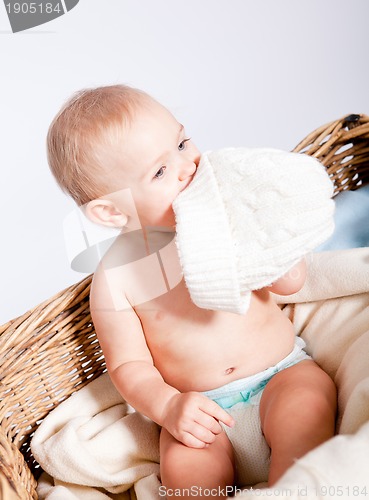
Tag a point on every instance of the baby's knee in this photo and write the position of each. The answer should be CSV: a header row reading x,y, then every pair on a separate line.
x,y
303,390
185,467
321,392
316,399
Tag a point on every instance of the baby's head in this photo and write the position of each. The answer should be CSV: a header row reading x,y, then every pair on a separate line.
x,y
108,140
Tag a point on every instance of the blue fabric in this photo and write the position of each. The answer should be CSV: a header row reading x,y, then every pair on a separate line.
x,y
351,221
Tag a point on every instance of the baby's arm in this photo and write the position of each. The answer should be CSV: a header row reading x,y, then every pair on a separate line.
x,y
190,417
291,282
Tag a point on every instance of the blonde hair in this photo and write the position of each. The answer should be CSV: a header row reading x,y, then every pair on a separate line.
x,y
83,133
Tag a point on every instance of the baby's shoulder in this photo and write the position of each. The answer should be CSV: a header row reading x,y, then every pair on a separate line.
x,y
108,289
138,269
123,278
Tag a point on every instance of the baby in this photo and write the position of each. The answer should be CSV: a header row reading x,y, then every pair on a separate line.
x,y
125,158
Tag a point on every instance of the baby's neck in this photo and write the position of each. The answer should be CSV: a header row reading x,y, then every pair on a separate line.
x,y
156,237
131,246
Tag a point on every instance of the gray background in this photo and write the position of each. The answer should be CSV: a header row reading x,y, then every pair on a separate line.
x,y
235,72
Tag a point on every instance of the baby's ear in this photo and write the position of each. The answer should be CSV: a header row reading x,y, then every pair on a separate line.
x,y
106,213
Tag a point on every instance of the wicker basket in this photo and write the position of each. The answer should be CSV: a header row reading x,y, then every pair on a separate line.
x,y
52,351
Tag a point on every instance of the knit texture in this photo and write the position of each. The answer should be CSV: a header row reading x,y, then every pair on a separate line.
x,y
248,216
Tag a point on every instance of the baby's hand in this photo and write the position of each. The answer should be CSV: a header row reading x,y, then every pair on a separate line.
x,y
193,419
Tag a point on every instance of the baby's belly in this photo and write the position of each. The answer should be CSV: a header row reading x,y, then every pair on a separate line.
x,y
219,358
199,350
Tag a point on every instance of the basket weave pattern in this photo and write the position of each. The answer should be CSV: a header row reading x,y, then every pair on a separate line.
x,y
52,351
342,146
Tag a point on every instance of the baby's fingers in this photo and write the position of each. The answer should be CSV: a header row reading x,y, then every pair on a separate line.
x,y
194,442
209,422
215,411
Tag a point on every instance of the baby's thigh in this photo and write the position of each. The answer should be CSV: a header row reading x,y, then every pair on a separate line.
x,y
185,467
295,393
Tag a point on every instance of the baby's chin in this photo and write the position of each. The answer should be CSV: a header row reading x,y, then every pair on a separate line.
x,y
170,221
170,218
167,220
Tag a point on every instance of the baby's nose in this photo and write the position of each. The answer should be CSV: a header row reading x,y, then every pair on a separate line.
x,y
188,168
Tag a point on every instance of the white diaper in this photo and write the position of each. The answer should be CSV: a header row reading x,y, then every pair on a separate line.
x,y
241,400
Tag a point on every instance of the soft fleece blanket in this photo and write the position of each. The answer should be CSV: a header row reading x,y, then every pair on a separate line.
x,y
95,447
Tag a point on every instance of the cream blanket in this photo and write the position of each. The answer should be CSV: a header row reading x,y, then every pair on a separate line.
x,y
95,447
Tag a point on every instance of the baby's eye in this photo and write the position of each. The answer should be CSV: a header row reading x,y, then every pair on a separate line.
x,y
182,145
160,173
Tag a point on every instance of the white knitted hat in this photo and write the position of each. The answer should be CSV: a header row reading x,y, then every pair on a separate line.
x,y
247,217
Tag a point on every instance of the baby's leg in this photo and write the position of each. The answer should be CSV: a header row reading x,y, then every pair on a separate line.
x,y
183,468
297,412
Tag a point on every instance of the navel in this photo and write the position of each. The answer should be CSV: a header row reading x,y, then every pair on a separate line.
x,y
230,370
